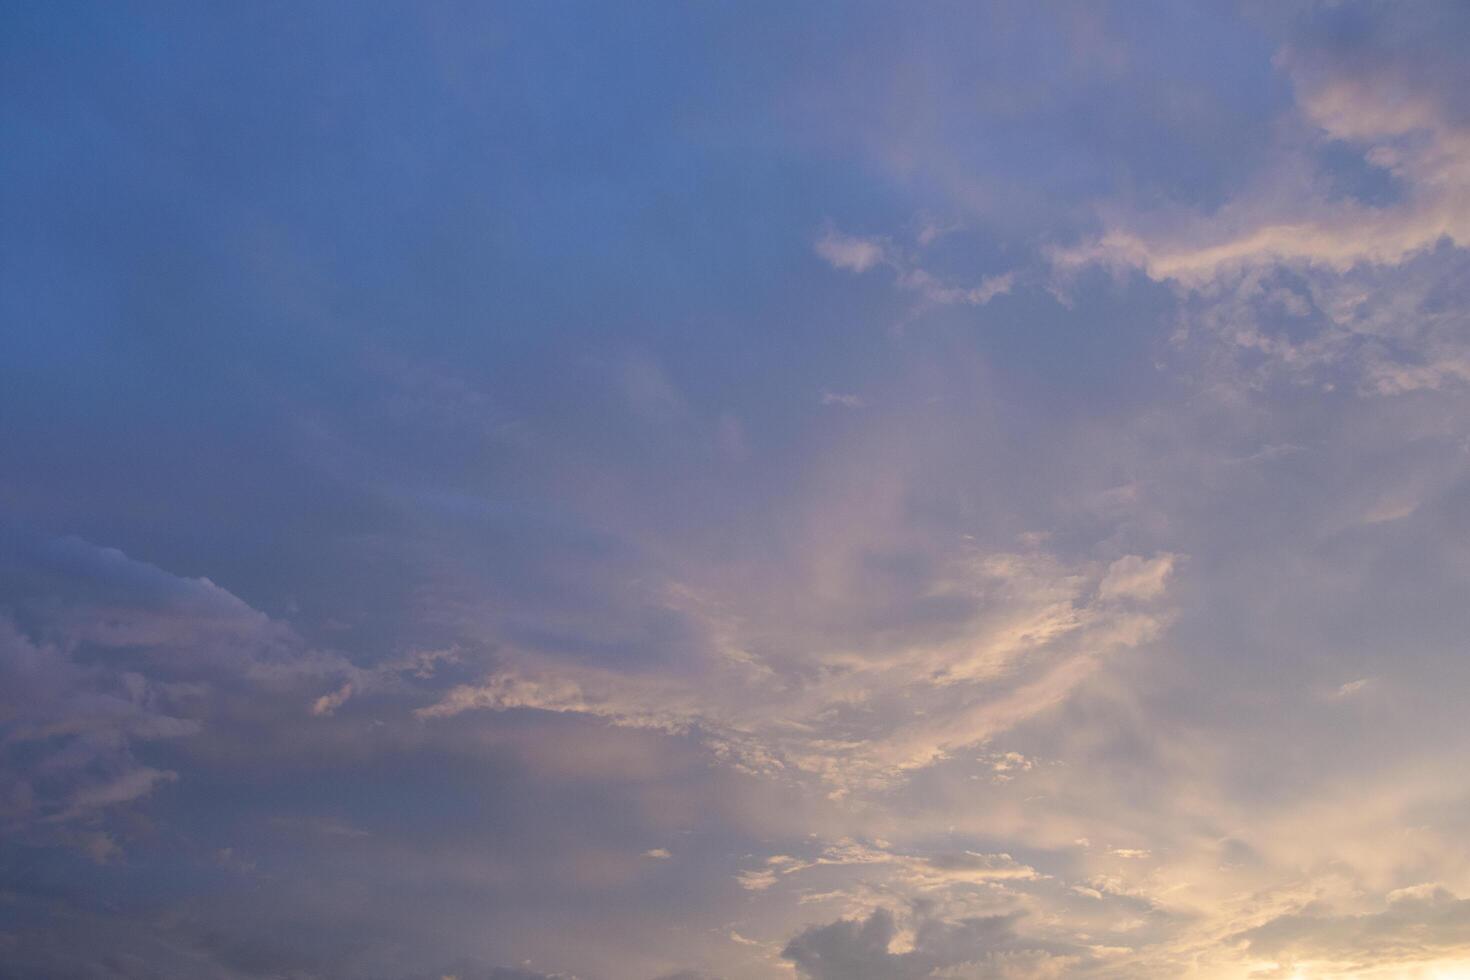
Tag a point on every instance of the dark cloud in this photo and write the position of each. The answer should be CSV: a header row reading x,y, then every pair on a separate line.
x,y
849,948
858,949
101,656
471,970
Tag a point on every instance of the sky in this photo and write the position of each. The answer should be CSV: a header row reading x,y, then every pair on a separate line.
x,y
735,491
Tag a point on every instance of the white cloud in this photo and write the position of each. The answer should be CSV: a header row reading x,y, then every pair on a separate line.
x,y
756,881
849,253
1135,577
1377,110
329,703
847,718
862,254
842,399
936,293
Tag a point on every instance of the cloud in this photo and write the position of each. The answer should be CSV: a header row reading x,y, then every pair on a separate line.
x,y
981,947
112,600
851,950
1350,688
849,253
756,881
328,703
839,398
1419,924
1005,766
1400,131
1290,277
128,786
1372,96
1135,577
623,701
1031,638
861,254
604,576
115,654
936,293
472,970
69,733
915,873
393,674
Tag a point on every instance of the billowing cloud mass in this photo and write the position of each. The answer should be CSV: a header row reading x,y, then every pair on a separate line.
x,y
724,493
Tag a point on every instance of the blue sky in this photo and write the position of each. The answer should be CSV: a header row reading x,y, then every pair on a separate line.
x,y
734,491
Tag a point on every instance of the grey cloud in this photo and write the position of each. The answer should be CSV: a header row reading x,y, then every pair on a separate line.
x,y
851,949
984,947
470,970
1373,330
68,733
1419,923
102,656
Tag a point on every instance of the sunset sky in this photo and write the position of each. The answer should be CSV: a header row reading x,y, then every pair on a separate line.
x,y
758,490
